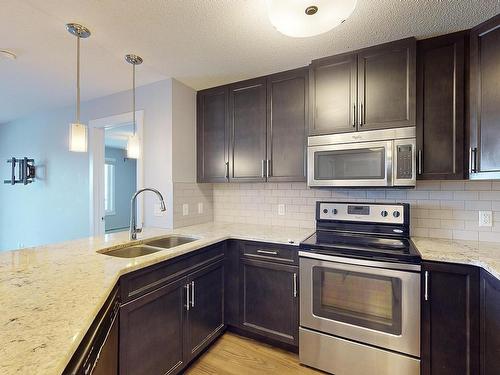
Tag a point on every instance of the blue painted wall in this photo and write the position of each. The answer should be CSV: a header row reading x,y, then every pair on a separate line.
x,y
125,187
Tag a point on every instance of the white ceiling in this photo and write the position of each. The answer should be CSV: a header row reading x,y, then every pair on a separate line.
x,y
200,42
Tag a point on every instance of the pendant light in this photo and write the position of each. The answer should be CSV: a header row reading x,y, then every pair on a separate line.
x,y
304,18
77,130
133,143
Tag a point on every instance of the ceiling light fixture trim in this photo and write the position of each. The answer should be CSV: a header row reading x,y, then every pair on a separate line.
x,y
305,18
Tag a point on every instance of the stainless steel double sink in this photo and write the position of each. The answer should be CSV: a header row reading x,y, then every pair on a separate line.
x,y
150,247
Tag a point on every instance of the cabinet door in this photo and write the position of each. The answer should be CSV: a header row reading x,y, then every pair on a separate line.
x,y
212,134
268,300
440,112
286,125
206,311
450,319
386,85
151,331
332,87
490,324
247,106
485,100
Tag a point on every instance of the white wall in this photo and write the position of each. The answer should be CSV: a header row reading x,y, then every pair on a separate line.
x,y
55,207
183,132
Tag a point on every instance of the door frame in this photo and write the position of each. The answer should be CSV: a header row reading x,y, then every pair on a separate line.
x,y
96,167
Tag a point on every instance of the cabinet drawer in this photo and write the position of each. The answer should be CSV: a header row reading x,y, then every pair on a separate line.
x,y
270,252
140,282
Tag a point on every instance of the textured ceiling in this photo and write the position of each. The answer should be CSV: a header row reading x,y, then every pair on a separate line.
x,y
200,42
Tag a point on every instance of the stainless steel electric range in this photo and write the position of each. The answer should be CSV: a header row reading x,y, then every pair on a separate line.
x,y
360,291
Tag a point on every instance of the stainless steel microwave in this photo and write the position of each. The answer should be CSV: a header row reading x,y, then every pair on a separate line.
x,y
377,158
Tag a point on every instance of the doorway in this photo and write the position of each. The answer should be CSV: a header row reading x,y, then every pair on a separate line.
x,y
114,178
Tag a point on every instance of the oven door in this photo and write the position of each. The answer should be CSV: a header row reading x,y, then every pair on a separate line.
x,y
350,164
371,305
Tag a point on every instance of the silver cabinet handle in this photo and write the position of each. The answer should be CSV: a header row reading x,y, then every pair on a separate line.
x,y
470,159
268,252
227,170
295,285
473,160
361,114
426,285
268,168
192,293
419,161
354,116
187,297
263,175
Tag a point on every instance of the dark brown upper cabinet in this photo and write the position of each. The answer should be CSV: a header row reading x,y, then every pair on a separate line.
x,y
333,94
484,152
450,319
370,89
287,108
247,119
440,107
386,85
212,135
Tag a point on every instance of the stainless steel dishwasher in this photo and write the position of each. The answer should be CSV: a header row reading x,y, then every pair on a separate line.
x,y
98,351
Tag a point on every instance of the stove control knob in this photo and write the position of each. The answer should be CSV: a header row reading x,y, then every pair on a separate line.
x,y
396,214
325,211
384,213
335,211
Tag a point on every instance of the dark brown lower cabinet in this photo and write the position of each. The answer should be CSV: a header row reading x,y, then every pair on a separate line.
x,y
152,331
269,300
206,313
490,324
162,331
450,319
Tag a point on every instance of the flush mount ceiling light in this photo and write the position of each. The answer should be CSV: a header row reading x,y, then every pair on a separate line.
x,y
133,143
7,55
77,130
304,18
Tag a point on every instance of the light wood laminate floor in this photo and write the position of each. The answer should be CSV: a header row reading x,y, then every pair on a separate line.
x,y
232,354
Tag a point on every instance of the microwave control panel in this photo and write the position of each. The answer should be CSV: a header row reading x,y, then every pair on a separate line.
x,y
404,164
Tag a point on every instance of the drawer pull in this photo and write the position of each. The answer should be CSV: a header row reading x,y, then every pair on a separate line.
x,y
267,252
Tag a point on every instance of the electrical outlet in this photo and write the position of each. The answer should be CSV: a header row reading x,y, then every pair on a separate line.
x,y
185,209
200,208
485,218
281,209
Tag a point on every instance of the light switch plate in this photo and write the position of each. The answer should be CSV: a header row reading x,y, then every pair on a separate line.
x,y
281,209
200,208
485,218
185,209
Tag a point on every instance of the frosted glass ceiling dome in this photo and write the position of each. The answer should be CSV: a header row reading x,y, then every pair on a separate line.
x,y
303,18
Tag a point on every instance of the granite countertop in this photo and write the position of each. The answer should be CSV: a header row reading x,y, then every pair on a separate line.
x,y
477,253
50,295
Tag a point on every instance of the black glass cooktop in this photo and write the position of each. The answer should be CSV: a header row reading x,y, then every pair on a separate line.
x,y
359,245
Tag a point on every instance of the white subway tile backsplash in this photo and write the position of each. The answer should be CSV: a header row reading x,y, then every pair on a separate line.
x,y
443,209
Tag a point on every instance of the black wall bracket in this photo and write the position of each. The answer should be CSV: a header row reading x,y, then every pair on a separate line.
x,y
26,171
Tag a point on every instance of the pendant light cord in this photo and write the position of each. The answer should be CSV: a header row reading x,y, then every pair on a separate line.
x,y
133,95
78,79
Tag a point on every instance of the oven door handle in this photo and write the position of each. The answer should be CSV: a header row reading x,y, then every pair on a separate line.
x,y
361,262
